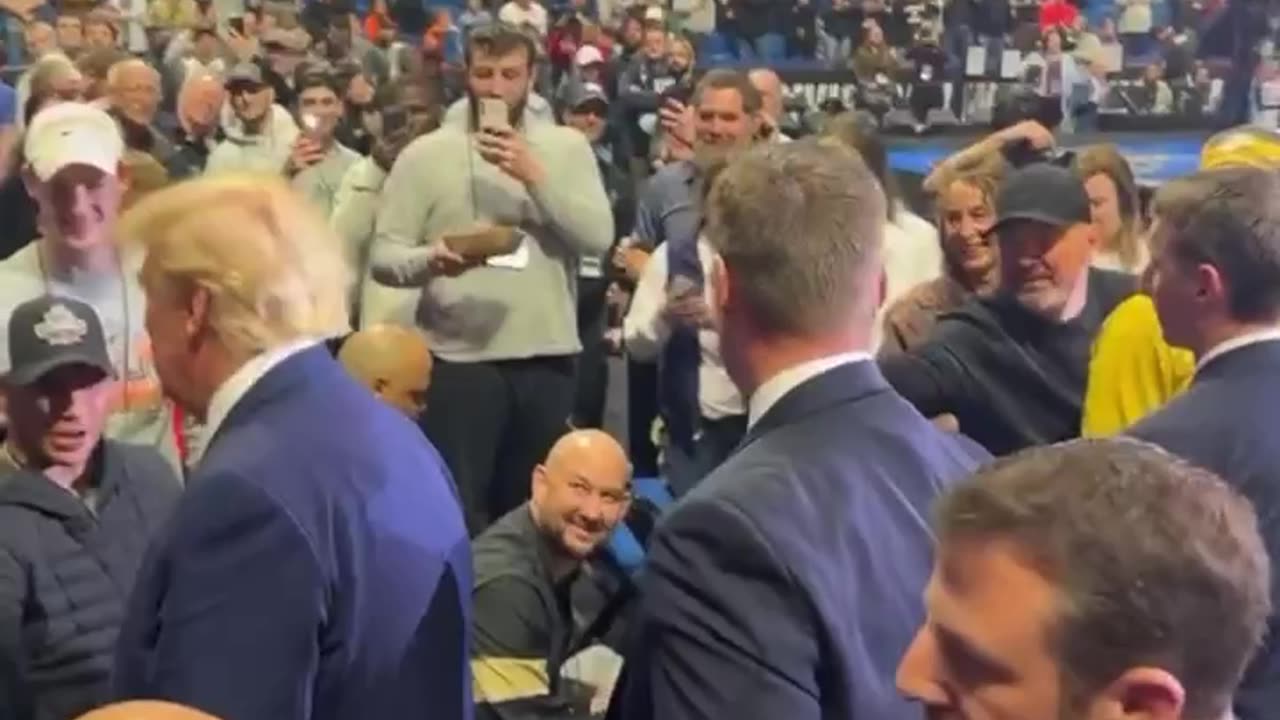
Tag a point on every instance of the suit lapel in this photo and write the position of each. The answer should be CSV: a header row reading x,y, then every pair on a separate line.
x,y
845,383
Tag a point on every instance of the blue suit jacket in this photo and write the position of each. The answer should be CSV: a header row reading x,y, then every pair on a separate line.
x,y
317,566
788,584
1226,422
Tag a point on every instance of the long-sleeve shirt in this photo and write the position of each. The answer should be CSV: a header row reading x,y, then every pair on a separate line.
x,y
645,331
522,305
355,213
319,183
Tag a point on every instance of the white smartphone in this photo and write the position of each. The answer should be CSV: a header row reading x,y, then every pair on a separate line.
x,y
309,123
493,114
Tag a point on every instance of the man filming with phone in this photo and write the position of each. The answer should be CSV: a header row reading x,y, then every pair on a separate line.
x,y
702,410
490,220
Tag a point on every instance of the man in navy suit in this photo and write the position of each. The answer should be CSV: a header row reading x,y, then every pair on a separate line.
x,y
1215,279
317,566
787,584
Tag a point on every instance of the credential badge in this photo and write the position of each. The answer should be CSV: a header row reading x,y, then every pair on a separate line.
x,y
60,326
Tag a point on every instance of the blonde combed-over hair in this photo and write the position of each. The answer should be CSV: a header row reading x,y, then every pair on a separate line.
x,y
273,268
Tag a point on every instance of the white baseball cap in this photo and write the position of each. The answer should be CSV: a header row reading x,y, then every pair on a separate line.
x,y
588,55
72,133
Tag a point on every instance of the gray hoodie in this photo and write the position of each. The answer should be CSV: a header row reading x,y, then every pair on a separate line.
x,y
266,152
523,307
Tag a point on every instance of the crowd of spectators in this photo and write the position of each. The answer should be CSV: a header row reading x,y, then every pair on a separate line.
x,y
308,314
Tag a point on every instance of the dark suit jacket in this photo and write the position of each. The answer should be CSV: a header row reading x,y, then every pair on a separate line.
x,y
317,566
788,584
1226,422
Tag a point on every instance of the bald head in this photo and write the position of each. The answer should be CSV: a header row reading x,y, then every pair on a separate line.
x,y
199,103
769,85
394,362
580,493
133,88
146,710
589,447
40,39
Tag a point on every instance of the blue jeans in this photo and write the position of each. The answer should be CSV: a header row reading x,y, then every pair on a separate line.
x,y
768,47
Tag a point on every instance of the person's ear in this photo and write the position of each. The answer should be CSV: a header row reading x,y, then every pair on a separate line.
x,y
1141,693
123,177
882,290
30,182
1211,285
538,487
718,280
198,308
379,386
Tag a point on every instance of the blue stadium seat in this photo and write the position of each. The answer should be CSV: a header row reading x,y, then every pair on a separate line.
x,y
624,546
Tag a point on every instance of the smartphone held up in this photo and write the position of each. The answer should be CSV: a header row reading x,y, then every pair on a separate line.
x,y
493,115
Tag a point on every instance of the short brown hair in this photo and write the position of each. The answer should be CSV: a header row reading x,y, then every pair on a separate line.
x,y
498,39
722,79
1156,562
800,226
1229,218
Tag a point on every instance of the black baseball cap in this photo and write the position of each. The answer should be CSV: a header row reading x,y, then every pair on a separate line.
x,y
583,94
1042,192
52,332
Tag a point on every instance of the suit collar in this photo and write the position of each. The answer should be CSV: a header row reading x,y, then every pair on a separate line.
x,y
260,381
846,382
1236,343
1234,361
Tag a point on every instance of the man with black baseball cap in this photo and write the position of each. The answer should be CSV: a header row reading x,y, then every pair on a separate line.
x,y
260,138
1012,367
75,516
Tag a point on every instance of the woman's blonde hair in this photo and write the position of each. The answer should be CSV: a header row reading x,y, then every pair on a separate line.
x,y
1107,160
273,268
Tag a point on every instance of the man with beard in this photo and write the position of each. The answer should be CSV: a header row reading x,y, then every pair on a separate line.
x,y
495,256
526,568
726,110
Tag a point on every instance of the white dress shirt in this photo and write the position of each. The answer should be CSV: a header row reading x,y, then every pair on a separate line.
x,y
1236,343
777,387
645,332
236,386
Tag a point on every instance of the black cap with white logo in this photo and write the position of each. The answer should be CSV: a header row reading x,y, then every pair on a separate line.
x,y
52,332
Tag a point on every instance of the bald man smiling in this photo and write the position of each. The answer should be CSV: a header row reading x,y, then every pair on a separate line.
x,y
525,568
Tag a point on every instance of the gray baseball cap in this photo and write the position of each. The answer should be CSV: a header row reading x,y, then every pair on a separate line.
x,y
51,332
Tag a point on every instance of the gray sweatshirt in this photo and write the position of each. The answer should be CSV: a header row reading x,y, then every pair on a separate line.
x,y
320,182
440,184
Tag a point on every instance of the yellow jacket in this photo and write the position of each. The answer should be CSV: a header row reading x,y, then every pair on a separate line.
x,y
1132,370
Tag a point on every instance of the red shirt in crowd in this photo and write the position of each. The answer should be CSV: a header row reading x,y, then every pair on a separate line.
x,y
1057,13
